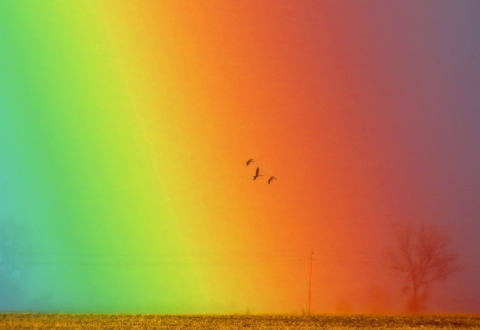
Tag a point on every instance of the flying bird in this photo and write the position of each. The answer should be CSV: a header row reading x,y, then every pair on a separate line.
x,y
249,161
271,178
256,174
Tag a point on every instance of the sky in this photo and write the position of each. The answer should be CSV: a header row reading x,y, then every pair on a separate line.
x,y
125,128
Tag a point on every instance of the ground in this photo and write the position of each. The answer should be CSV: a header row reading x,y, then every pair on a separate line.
x,y
121,321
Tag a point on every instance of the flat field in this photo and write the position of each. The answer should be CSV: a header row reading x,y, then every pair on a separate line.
x,y
122,321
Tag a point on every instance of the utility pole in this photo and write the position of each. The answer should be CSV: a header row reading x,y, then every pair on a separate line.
x,y
310,286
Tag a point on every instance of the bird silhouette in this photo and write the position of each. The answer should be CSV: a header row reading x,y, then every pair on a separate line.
x,y
249,161
271,178
256,174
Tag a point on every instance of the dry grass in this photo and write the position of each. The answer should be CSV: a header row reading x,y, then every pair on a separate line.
x,y
72,321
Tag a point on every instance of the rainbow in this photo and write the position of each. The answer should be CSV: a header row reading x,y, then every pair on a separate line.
x,y
124,131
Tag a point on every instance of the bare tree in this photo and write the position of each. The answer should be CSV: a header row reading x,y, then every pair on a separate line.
x,y
424,256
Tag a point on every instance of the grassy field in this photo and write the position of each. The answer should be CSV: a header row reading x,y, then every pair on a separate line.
x,y
72,321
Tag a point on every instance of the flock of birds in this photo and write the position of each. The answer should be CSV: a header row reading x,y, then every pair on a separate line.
x,y
257,172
